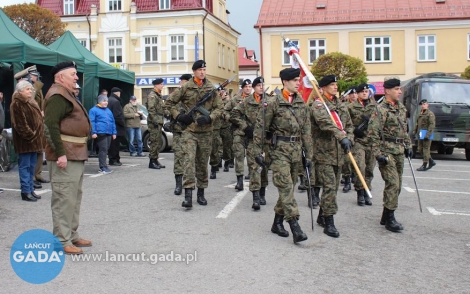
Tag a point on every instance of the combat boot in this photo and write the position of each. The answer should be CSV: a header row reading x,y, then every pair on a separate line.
x,y
360,198
159,164
316,196
179,184
423,167
262,196
226,163
297,233
256,205
231,163
391,223
347,184
278,226
321,218
188,198
153,164
220,163
239,185
366,197
330,228
200,197
431,163
302,186
247,177
213,174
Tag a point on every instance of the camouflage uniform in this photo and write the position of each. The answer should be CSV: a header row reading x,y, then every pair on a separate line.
x,y
154,105
426,121
196,140
393,121
178,166
238,137
226,135
285,156
216,143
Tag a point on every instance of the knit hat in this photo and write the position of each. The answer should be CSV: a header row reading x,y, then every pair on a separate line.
x,y
102,98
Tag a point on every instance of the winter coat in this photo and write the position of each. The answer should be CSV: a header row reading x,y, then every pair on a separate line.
x,y
114,104
102,121
132,121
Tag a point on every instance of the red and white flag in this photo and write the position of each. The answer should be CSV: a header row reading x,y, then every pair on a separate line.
x,y
306,86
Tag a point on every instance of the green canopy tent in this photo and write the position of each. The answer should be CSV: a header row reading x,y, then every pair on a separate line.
x,y
97,74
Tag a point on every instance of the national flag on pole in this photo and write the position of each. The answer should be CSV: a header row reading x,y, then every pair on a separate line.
x,y
306,86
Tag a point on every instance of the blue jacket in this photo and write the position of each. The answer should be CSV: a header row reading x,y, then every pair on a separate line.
x,y
102,121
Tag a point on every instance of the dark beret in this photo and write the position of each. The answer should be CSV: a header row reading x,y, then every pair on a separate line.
x,y
115,89
362,87
352,90
199,64
186,77
61,66
257,81
157,81
392,83
423,101
246,82
326,80
288,74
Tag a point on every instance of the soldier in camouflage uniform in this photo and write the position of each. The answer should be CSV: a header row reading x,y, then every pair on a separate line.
x,y
360,112
391,143
196,139
347,169
216,143
178,166
332,141
287,117
426,121
226,134
154,106
239,134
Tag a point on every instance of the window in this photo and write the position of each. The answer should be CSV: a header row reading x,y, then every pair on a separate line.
x,y
114,5
115,50
378,49
69,7
427,48
177,48
233,55
165,4
151,49
223,56
83,42
286,58
219,55
316,48
229,64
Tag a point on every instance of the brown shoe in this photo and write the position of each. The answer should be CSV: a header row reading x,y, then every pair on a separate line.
x,y
82,243
71,249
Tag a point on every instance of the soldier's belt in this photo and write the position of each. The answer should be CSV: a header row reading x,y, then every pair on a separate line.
x,y
395,140
288,139
72,139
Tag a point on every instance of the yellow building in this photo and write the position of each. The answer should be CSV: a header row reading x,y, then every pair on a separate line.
x,y
155,38
399,38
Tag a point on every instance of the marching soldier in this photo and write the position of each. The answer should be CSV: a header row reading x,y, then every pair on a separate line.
x,y
360,111
154,106
214,158
425,125
196,138
287,117
332,141
391,143
347,170
238,134
226,134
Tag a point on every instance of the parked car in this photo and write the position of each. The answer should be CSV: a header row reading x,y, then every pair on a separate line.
x,y
167,137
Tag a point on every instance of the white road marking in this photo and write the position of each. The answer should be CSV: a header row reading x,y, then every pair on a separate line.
x,y
39,192
453,171
435,191
97,175
409,189
449,179
434,211
233,203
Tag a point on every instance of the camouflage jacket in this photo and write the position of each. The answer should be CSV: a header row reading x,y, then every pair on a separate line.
x,y
237,99
393,120
356,112
225,122
246,113
426,121
326,135
188,96
167,111
154,106
280,121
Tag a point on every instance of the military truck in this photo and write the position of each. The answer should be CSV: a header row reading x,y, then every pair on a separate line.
x,y
449,100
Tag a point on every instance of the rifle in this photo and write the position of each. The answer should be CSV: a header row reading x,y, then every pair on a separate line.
x,y
199,104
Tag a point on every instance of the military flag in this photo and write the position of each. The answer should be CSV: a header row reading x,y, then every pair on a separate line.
x,y
306,86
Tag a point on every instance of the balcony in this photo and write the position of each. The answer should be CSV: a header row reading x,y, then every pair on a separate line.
x,y
152,5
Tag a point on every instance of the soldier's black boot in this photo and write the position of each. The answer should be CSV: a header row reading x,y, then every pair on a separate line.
x,y
213,174
161,165
297,233
360,198
179,184
278,226
366,197
188,198
220,163
226,165
302,186
384,217
342,180
256,205
330,228
347,184
239,185
391,223
247,177
200,197
431,163
316,196
424,167
231,163
262,196
153,164
321,218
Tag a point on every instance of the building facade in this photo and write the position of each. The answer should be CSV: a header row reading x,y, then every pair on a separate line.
x,y
248,66
154,38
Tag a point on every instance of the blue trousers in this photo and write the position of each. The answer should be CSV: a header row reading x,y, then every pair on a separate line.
x,y
134,133
26,165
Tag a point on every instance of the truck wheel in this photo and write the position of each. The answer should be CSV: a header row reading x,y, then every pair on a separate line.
x,y
441,150
467,153
450,150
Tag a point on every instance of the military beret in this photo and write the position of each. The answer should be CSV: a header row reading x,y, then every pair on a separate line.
x,y
115,89
199,64
362,87
246,82
33,70
21,74
257,81
352,90
392,83
423,101
326,80
61,66
288,74
186,77
157,81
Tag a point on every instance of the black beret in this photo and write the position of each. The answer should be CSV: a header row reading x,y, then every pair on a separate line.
x,y
61,66
423,101
352,90
257,81
362,87
186,77
199,64
157,81
326,80
392,83
288,74
246,82
115,89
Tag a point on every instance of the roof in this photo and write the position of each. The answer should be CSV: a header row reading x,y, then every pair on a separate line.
x,y
243,61
276,13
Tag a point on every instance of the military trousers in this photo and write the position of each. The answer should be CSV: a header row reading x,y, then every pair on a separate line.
x,y
227,142
155,132
346,169
66,199
258,179
365,160
216,143
329,177
196,150
178,166
424,148
392,175
239,154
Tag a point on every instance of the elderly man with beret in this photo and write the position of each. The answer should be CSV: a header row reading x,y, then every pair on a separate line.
x,y
155,122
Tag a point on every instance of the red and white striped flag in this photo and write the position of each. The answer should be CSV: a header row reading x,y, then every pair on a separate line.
x,y
306,86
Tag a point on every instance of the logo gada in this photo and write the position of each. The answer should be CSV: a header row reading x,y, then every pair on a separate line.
x,y
37,256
